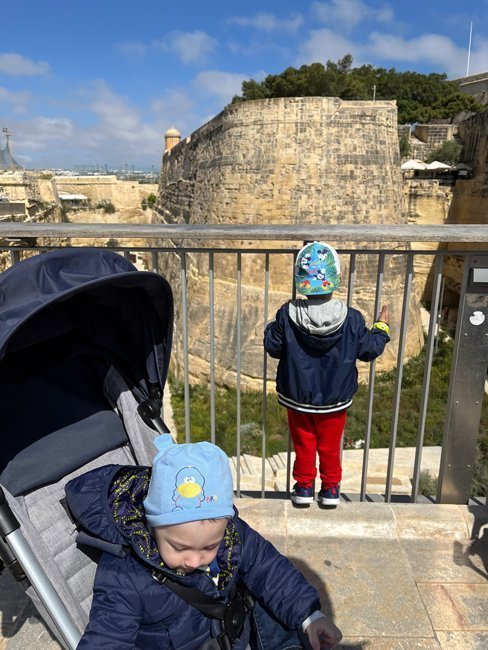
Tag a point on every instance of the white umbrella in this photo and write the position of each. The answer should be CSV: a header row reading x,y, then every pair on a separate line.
x,y
413,164
438,165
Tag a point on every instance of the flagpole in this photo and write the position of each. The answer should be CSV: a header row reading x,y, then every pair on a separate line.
x,y
469,48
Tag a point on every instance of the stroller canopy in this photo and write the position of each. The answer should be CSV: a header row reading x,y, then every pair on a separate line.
x,y
65,318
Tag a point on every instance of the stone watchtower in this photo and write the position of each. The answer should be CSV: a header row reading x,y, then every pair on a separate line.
x,y
293,160
171,138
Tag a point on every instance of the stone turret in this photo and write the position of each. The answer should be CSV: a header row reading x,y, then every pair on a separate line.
x,y
171,138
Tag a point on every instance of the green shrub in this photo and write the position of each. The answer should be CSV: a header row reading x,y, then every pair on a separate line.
x,y
427,484
107,206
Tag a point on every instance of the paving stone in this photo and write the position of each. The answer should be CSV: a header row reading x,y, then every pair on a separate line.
x,y
366,585
349,520
265,516
436,520
444,561
389,643
463,640
456,607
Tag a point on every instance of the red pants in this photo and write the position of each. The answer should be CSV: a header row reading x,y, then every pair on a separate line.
x,y
312,433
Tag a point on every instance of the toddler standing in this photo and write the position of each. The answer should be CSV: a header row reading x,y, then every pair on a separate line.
x,y
317,342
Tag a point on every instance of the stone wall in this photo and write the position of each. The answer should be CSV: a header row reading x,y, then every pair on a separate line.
x,y
427,202
123,194
289,160
470,198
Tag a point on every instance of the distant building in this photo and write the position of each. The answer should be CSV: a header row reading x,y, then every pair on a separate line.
x,y
7,161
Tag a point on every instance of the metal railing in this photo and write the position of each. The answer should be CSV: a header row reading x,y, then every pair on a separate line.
x,y
459,439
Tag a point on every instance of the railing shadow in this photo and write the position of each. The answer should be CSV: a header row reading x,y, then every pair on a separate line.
x,y
479,543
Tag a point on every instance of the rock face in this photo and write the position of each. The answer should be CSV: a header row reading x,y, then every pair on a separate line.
x,y
290,160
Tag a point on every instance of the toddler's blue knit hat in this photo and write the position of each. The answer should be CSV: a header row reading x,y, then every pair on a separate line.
x,y
317,269
189,482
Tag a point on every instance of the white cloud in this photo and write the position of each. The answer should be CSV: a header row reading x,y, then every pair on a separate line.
x,y
16,64
131,50
190,47
269,22
323,45
16,100
479,57
41,134
349,13
222,85
434,49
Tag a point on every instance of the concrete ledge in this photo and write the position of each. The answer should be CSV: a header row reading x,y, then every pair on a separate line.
x,y
277,517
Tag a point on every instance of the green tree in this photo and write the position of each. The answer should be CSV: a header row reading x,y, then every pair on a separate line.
x,y
449,152
405,147
420,97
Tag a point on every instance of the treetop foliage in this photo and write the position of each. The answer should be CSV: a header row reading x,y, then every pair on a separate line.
x,y
420,97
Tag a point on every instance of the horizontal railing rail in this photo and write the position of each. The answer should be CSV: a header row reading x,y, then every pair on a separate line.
x,y
446,233
185,241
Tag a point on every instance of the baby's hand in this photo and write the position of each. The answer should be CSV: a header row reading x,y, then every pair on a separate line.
x,y
384,314
323,634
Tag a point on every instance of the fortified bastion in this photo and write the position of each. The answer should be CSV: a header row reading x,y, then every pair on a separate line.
x,y
307,160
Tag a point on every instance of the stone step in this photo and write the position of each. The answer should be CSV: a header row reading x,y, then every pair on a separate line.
x,y
275,469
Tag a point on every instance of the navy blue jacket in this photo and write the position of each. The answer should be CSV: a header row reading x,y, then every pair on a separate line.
x,y
318,374
131,610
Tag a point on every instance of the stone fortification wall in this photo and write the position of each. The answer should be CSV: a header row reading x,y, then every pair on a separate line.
x,y
13,186
428,202
123,194
289,160
470,196
474,134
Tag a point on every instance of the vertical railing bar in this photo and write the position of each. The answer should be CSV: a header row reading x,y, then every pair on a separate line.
x,y
265,378
350,293
14,257
288,450
399,373
185,346
211,304
372,367
238,374
154,259
439,314
352,277
429,353
127,255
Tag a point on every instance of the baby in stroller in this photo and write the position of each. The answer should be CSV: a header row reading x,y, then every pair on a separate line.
x,y
174,542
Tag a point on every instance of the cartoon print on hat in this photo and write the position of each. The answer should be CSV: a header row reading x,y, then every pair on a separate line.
x,y
188,482
189,492
317,269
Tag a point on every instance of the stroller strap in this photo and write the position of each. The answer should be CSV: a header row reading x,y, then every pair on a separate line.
x,y
231,614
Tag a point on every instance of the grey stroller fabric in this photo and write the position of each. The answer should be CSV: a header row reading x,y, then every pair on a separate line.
x,y
48,528
85,342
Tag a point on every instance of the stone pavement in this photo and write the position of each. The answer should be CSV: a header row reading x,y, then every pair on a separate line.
x,y
393,576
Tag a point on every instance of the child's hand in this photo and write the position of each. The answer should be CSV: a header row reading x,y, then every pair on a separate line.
x,y
384,314
323,634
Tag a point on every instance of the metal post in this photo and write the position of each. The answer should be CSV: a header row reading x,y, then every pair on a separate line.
x,y
184,316
238,376
211,300
466,386
265,379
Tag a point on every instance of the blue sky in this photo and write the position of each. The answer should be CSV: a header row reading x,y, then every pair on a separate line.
x,y
99,82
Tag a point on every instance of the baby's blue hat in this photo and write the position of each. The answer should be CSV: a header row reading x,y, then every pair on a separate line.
x,y
189,482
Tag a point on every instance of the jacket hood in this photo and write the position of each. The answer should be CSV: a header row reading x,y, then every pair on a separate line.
x,y
318,321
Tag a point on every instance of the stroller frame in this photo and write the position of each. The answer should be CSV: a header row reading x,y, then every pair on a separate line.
x,y
133,397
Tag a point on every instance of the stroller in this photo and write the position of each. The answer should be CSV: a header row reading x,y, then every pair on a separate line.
x,y
85,342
